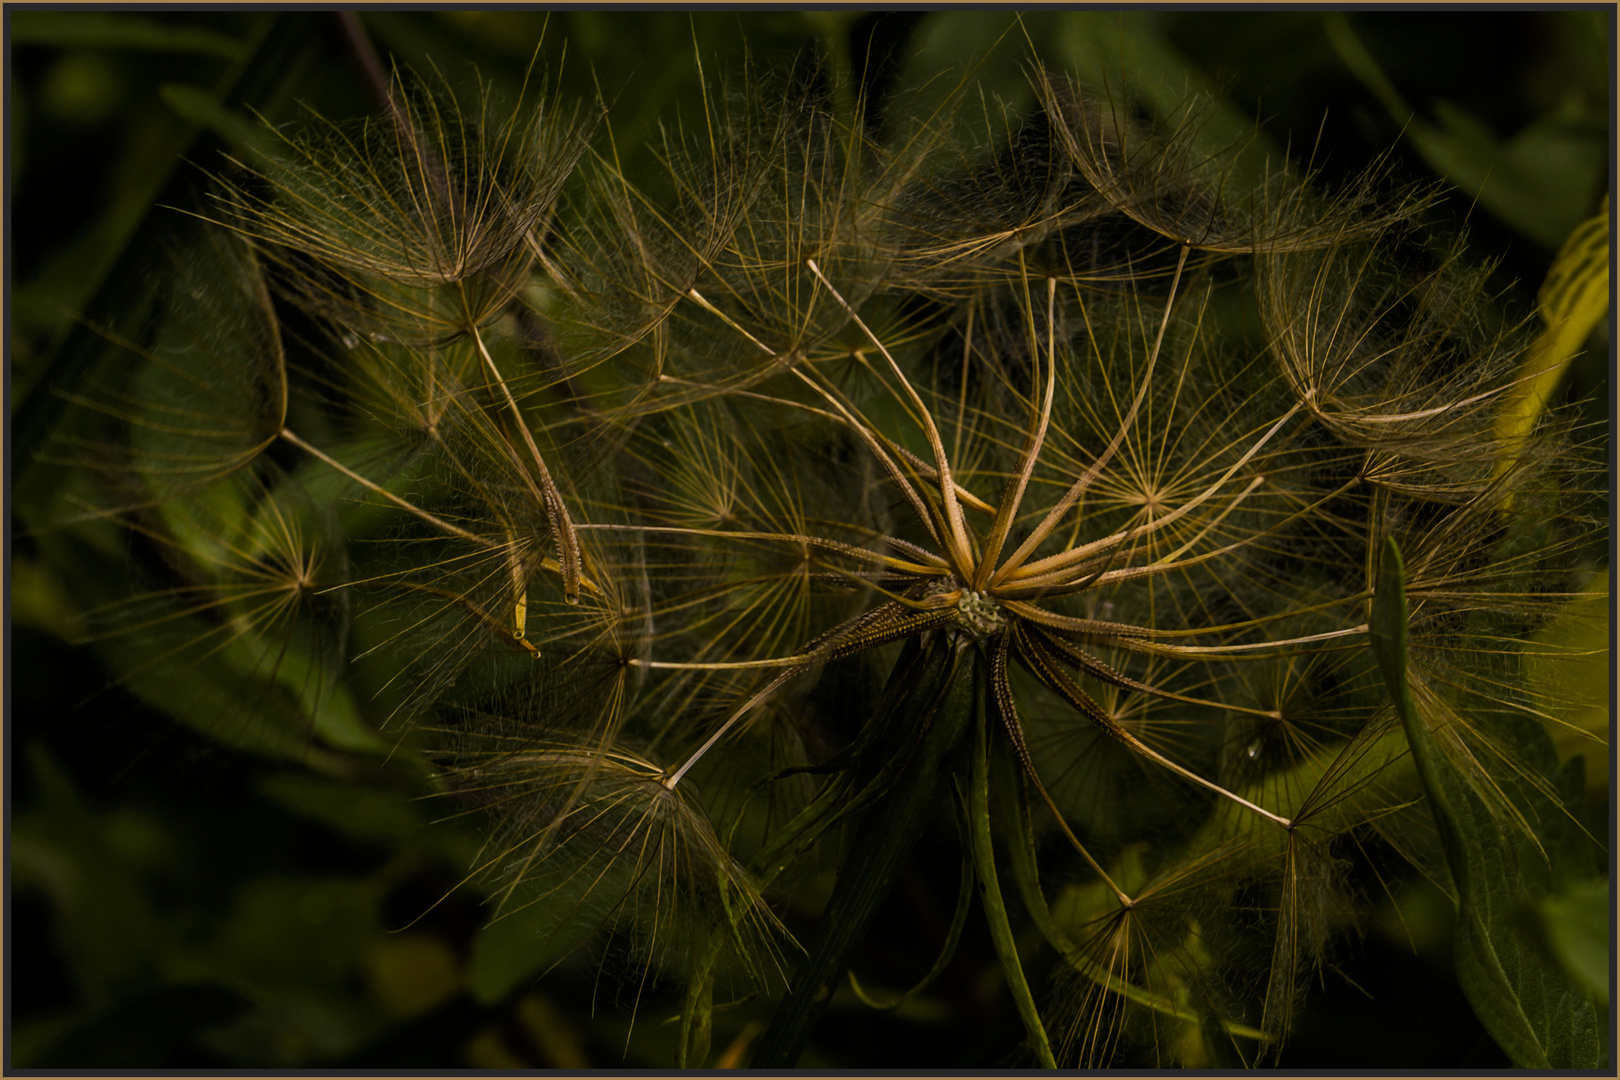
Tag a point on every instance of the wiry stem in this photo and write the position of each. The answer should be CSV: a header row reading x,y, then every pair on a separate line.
x,y
862,632
1013,497
879,445
1063,559
1007,708
1037,581
865,433
556,511
960,549
1137,638
1216,652
1053,676
437,522
935,564
1080,660
1055,515
746,707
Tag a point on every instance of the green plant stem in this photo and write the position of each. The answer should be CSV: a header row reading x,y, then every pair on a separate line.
x,y
984,859
697,1014
926,708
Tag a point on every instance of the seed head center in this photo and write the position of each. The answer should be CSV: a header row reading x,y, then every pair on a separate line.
x,y
979,614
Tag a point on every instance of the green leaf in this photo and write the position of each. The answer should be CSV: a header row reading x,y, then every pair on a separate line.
x,y
108,928
276,695
109,30
519,947
203,108
955,42
110,282
322,696
373,815
39,600
1540,182
1105,48
1576,923
288,933
1574,301
295,946
1568,667
697,1013
1528,1004
1107,51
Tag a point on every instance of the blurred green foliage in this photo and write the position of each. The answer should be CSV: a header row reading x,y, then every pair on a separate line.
x,y
247,901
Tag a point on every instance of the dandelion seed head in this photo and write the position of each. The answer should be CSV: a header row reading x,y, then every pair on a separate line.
x,y
798,466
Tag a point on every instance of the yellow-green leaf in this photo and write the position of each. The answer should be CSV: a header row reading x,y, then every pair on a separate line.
x,y
1574,300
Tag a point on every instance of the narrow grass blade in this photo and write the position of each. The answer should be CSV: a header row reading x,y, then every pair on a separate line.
x,y
1527,1002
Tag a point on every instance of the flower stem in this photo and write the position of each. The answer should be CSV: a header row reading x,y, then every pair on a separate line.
x,y
995,908
556,511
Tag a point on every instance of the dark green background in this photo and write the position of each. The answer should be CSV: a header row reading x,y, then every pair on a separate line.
x,y
176,904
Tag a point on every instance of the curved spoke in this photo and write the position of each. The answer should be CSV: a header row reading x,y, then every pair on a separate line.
x,y
1056,679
